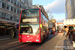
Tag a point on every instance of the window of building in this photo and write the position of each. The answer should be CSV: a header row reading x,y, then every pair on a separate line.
x,y
19,11
0,15
25,7
0,4
12,18
17,3
21,5
3,5
22,1
8,0
26,1
11,1
11,8
7,17
3,15
29,4
15,10
8,7
14,2
17,19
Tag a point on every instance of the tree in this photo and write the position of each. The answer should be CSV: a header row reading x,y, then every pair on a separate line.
x,y
50,16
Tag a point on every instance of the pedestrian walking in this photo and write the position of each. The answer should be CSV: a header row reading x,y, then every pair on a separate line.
x,y
11,33
73,39
72,33
14,32
64,33
69,32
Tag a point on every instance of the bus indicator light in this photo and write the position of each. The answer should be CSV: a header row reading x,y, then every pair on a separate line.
x,y
37,40
40,25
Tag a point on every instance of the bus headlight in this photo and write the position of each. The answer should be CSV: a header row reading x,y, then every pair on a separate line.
x,y
20,37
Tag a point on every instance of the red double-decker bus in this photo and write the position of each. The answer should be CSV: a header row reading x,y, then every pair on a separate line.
x,y
33,26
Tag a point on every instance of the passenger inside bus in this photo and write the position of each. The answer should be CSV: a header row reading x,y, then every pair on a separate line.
x,y
24,15
26,30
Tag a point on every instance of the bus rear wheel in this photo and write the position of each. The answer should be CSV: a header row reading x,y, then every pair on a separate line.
x,y
43,37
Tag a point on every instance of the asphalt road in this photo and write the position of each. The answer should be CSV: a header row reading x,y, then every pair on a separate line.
x,y
50,43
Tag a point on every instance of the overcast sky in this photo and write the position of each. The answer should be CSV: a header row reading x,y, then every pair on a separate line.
x,y
58,6
55,7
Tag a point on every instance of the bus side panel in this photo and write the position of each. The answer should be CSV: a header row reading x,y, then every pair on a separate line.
x,y
40,23
19,25
43,34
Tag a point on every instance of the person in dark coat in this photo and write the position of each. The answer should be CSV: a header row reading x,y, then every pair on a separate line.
x,y
73,40
64,33
14,32
11,34
69,33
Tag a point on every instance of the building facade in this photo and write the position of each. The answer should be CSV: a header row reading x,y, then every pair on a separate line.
x,y
70,9
10,9
10,13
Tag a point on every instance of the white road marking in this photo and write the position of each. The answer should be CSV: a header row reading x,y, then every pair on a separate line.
x,y
13,42
55,47
62,44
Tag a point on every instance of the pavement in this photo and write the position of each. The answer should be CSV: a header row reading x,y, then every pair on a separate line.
x,y
6,37
54,42
65,43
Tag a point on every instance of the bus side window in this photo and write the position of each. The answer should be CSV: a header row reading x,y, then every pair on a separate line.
x,y
43,29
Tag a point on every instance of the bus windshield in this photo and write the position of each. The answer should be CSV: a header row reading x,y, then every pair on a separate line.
x,y
30,13
29,29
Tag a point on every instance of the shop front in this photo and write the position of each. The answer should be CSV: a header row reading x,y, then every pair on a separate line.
x,y
5,28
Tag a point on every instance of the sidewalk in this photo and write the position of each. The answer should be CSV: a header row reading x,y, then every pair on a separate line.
x,y
6,37
65,43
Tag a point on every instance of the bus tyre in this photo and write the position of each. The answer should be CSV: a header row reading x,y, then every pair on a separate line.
x,y
41,38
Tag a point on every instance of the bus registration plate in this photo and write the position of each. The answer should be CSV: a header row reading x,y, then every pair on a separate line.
x,y
28,41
